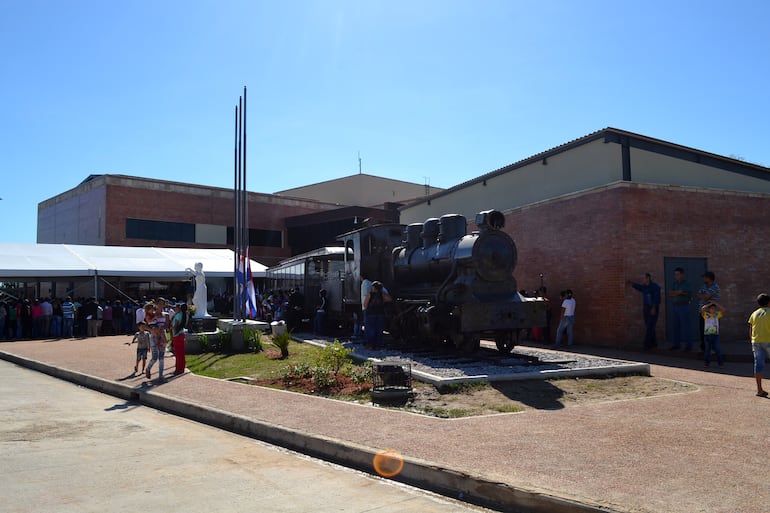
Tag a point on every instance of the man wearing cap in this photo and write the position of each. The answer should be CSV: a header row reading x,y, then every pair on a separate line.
x,y
707,293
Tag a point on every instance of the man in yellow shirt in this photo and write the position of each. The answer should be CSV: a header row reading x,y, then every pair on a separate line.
x,y
760,339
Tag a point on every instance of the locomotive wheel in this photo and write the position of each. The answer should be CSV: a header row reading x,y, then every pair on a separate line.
x,y
505,343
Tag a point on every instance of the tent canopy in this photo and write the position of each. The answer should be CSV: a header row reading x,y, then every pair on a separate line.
x,y
46,261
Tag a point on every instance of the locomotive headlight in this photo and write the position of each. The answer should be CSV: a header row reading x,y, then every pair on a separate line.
x,y
494,255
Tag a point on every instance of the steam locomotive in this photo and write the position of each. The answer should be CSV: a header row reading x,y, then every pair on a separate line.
x,y
449,287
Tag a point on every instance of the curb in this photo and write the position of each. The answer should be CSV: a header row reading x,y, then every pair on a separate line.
x,y
446,481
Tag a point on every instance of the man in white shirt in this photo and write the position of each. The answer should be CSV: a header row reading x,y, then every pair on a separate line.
x,y
140,315
567,318
45,324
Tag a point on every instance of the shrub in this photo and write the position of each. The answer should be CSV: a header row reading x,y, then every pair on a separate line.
x,y
204,341
253,340
296,371
281,341
224,342
361,374
334,356
323,377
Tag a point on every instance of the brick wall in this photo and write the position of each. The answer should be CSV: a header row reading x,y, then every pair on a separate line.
x,y
592,242
265,212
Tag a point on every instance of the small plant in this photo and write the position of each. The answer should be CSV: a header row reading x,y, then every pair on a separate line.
x,y
323,377
253,339
281,341
296,371
361,374
508,408
334,356
204,341
224,341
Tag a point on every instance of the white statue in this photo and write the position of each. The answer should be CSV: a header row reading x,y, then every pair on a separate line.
x,y
200,297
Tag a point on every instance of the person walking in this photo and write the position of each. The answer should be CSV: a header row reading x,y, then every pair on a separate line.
x,y
650,308
759,333
681,294
142,339
567,322
157,349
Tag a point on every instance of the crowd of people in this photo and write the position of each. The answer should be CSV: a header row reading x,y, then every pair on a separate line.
x,y
43,318
158,324
710,312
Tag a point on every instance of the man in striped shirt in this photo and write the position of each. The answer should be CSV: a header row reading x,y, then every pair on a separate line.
x,y
68,317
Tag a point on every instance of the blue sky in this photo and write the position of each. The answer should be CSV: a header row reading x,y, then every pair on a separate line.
x,y
437,90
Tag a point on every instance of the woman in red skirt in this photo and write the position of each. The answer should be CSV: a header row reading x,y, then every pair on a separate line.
x,y
178,337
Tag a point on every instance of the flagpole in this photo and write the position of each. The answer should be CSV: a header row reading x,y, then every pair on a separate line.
x,y
245,213
235,216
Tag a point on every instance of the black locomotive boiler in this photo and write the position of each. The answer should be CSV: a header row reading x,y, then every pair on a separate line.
x,y
448,286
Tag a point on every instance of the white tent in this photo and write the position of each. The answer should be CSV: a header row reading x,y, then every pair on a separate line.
x,y
51,261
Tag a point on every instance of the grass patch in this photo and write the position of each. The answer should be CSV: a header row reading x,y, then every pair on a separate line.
x,y
507,408
462,388
262,365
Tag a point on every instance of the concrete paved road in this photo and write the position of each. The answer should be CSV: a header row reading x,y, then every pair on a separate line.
x,y
68,449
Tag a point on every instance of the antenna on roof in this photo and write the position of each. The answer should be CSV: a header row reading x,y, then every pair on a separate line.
x,y
427,185
359,162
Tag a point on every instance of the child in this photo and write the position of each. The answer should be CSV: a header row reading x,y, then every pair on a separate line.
x,y
760,339
712,312
142,339
158,348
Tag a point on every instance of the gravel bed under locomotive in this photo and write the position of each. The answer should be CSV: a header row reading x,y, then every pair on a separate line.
x,y
448,286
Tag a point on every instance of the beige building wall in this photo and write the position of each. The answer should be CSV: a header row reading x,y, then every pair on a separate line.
x,y
649,167
361,190
583,167
74,218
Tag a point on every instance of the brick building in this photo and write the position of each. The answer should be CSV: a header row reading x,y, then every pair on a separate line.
x,y
610,206
117,210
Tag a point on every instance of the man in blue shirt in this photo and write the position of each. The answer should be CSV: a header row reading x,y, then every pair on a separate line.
x,y
650,308
681,294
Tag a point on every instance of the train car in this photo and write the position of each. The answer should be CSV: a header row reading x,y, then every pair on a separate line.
x,y
307,274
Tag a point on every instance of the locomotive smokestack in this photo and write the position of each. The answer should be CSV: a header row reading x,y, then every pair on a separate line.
x,y
490,220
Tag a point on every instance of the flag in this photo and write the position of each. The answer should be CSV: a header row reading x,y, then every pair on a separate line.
x,y
251,297
240,279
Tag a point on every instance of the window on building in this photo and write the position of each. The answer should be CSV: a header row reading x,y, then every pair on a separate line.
x,y
257,237
159,230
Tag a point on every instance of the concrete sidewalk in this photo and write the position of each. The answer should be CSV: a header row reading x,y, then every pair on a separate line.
x,y
704,451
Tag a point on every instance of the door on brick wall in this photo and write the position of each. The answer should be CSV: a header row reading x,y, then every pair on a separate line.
x,y
693,272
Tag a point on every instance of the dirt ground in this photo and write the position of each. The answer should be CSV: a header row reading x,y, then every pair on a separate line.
x,y
511,396
503,397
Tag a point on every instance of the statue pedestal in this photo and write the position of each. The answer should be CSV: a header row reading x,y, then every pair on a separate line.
x,y
203,324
